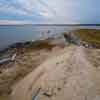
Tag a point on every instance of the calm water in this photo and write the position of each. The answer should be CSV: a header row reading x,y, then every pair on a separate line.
x,y
14,33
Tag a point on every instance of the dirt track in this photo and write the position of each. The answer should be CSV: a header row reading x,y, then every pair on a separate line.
x,y
66,75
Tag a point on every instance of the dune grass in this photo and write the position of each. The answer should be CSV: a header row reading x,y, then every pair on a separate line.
x,y
42,44
89,35
36,45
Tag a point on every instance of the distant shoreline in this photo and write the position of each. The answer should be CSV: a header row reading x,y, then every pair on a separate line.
x,y
51,24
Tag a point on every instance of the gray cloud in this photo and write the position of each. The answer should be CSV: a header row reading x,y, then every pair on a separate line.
x,y
51,10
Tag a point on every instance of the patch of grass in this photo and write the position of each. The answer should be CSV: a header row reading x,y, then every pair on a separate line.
x,y
38,45
89,35
30,46
42,44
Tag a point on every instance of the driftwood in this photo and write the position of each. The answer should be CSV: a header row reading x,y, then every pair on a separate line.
x,y
5,60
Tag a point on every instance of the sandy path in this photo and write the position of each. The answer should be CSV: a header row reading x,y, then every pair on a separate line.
x,y
67,75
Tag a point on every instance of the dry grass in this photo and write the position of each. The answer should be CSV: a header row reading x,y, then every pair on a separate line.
x,y
89,35
42,44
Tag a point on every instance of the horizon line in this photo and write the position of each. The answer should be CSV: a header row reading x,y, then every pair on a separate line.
x,y
53,24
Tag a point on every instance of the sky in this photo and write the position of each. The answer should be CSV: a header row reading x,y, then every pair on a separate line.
x,y
49,11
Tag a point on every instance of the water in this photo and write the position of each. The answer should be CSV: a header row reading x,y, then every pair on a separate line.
x,y
10,34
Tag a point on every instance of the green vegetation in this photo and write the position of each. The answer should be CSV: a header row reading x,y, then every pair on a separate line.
x,y
89,35
42,44
28,46
36,45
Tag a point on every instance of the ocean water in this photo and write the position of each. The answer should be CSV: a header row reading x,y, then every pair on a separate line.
x,y
10,34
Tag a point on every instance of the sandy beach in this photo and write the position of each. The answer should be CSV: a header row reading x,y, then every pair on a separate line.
x,y
67,75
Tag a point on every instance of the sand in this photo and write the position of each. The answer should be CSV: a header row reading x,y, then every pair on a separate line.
x,y
66,75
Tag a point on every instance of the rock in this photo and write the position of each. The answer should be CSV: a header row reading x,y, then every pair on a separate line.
x,y
71,38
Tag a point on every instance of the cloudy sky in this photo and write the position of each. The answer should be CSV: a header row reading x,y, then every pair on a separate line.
x,y
50,11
